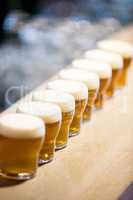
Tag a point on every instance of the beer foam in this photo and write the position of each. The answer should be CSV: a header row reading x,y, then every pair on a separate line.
x,y
114,59
123,48
90,79
21,126
49,112
77,89
64,100
102,69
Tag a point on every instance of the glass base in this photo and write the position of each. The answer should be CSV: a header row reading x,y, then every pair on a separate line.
x,y
109,97
72,134
110,94
19,176
97,108
87,120
60,147
121,86
42,162
99,105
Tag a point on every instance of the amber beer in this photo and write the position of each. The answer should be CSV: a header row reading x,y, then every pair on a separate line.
x,y
104,72
66,103
51,116
113,83
80,93
114,60
21,138
92,95
104,83
76,122
123,76
125,50
62,139
48,149
91,80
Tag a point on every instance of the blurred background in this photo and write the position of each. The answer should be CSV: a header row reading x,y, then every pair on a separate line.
x,y
39,37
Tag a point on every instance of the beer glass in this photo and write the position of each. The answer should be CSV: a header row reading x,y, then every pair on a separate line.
x,y
66,103
21,139
104,72
51,116
80,93
91,80
125,50
123,76
114,60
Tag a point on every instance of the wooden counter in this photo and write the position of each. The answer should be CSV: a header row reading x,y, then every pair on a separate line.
x,y
96,165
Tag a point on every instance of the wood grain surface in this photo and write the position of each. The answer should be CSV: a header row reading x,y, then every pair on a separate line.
x,y
97,164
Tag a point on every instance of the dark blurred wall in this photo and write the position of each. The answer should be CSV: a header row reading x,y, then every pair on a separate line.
x,y
92,9
29,6
3,12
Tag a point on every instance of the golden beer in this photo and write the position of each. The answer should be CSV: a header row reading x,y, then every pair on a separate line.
x,y
91,80
114,60
113,83
104,72
99,102
66,103
77,119
21,139
48,148
125,50
92,94
62,138
123,75
80,93
51,116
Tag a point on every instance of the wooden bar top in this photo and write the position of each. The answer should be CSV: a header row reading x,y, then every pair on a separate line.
x,y
97,164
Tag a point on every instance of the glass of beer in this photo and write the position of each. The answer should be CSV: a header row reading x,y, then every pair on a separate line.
x,y
125,50
80,93
104,72
66,102
51,116
21,139
91,80
114,60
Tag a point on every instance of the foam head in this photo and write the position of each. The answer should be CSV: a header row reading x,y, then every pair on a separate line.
x,y
64,100
49,112
77,89
21,126
89,78
103,70
121,47
115,60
